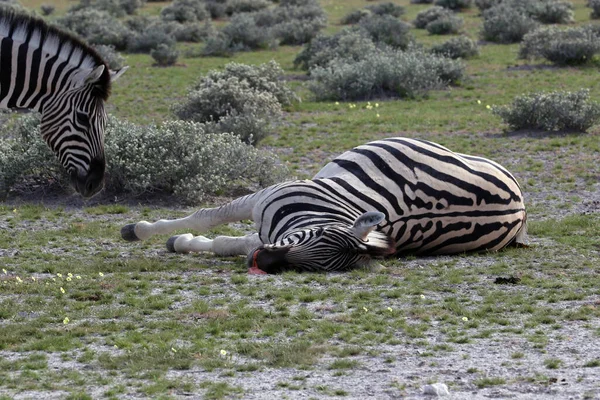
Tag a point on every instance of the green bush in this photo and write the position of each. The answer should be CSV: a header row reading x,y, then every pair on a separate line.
x,y
114,60
551,11
242,34
445,25
241,6
553,111
153,36
97,27
595,6
454,4
384,73
216,8
243,99
164,55
506,24
561,46
292,23
181,158
457,47
184,11
352,44
354,17
388,30
388,8
429,15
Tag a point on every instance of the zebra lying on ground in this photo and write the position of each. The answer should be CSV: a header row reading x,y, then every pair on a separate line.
x,y
383,198
46,70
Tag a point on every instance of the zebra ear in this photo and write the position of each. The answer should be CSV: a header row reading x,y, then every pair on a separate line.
x,y
366,223
114,75
93,76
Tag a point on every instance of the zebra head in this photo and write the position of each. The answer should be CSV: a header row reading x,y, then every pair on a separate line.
x,y
73,126
325,248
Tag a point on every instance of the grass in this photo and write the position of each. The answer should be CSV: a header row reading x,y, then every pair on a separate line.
x,y
143,322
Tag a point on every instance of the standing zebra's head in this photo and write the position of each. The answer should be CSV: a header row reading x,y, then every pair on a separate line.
x,y
73,126
325,248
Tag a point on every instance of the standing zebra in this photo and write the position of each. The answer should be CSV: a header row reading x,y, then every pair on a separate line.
x,y
386,197
54,73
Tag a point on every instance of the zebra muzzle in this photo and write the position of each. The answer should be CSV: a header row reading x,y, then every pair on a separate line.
x,y
268,260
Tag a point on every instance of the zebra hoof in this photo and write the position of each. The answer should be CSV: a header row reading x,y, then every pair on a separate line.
x,y
128,233
171,244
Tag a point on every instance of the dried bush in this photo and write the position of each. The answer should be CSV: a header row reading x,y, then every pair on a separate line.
x,y
457,47
445,25
352,44
384,73
114,59
553,111
243,99
561,46
506,24
429,15
97,27
184,11
181,158
388,30
454,4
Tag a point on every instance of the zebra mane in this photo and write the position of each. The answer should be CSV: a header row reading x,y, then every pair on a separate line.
x,y
18,25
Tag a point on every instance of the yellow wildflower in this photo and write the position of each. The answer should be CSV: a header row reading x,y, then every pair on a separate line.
x,y
62,290
223,353
465,319
100,273
66,320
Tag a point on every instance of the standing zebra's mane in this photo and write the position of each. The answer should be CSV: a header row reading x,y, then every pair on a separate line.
x,y
19,26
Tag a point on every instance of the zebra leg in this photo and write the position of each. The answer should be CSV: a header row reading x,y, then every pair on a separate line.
x,y
221,245
200,221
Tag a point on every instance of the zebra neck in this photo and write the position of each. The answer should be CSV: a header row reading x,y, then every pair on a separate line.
x,y
38,62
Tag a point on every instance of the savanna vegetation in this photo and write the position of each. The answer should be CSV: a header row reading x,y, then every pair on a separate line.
x,y
223,97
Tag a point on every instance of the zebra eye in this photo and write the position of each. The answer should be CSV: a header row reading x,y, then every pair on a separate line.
x,y
82,118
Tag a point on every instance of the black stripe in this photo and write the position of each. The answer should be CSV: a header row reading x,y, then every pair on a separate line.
x,y
5,66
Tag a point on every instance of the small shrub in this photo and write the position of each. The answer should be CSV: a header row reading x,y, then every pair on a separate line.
x,y
384,73
386,9
429,15
458,47
421,1
184,11
293,24
216,8
131,6
243,34
595,6
486,4
97,27
47,9
243,99
505,24
194,32
551,11
354,17
164,55
153,36
445,25
564,47
241,6
351,44
114,60
553,111
454,4
388,30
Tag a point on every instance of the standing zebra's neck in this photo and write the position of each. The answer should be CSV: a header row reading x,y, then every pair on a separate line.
x,y
39,62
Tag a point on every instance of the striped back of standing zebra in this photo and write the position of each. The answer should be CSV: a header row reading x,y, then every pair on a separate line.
x,y
433,201
47,70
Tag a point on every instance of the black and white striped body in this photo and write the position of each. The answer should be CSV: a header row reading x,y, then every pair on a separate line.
x,y
387,197
49,71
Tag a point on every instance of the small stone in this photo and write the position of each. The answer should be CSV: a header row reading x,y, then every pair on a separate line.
x,y
436,389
